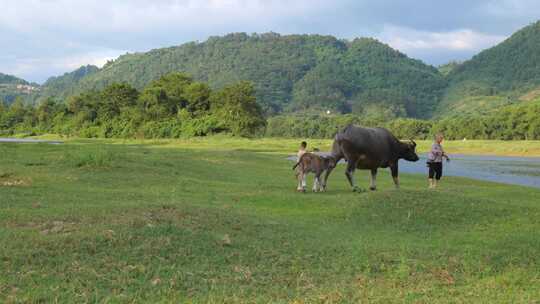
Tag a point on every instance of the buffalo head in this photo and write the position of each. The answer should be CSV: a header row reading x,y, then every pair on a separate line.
x,y
409,151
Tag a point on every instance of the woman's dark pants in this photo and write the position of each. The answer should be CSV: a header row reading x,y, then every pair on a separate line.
x,y
435,170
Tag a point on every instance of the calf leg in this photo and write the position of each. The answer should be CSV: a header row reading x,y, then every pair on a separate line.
x,y
304,181
316,183
325,180
372,185
299,176
394,170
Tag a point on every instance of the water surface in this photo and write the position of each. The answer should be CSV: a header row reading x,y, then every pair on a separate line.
x,y
503,169
26,140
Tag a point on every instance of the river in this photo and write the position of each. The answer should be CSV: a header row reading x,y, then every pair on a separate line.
x,y
26,140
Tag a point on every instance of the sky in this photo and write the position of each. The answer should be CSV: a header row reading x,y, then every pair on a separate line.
x,y
43,38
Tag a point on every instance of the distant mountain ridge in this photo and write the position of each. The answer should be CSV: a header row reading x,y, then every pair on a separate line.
x,y
496,76
313,73
65,85
12,87
290,73
9,79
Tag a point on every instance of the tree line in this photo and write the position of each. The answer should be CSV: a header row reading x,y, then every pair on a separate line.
x,y
515,122
177,106
173,106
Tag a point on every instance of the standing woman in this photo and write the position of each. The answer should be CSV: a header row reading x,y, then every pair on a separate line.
x,y
434,162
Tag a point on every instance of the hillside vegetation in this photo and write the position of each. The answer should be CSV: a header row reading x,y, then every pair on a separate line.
x,y
290,73
175,106
9,79
519,121
65,85
495,77
172,106
8,88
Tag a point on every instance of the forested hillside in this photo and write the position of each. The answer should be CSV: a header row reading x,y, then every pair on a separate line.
x,y
12,87
8,79
445,69
295,72
65,85
495,77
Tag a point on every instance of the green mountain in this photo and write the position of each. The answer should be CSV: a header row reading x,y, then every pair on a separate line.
x,y
445,69
293,72
495,77
12,87
65,85
8,79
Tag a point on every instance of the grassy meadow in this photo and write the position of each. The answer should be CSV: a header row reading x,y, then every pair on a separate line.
x,y
218,220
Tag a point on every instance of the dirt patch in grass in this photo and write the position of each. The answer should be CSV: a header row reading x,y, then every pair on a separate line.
x,y
57,227
11,180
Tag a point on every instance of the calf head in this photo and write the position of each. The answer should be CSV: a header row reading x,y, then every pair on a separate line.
x,y
408,151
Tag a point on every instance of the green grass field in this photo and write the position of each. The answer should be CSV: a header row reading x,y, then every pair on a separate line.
x,y
527,148
218,221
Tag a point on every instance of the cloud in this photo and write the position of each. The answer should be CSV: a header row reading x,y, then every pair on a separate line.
x,y
42,68
465,39
41,38
137,16
461,42
513,9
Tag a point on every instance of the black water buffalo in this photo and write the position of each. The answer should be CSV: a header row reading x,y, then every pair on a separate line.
x,y
370,148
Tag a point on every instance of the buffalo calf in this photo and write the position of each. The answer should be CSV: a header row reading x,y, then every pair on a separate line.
x,y
313,163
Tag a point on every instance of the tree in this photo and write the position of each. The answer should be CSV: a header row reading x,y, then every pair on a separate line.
x,y
16,113
173,87
154,103
197,96
116,97
46,111
84,108
237,109
3,112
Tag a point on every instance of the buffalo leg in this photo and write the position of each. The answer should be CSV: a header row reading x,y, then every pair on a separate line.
x,y
372,185
351,167
394,170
